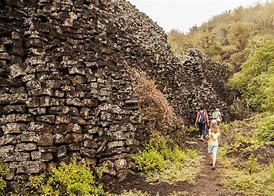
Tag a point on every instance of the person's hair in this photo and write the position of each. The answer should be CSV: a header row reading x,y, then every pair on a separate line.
x,y
214,125
214,122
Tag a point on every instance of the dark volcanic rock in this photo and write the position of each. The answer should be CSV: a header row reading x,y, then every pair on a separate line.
x,y
65,85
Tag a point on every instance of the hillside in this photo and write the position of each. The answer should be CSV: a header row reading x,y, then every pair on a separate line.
x,y
230,36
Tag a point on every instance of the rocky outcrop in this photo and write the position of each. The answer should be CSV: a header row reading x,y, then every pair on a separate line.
x,y
207,81
65,86
197,81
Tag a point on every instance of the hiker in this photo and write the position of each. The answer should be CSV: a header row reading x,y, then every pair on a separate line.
x,y
202,120
213,141
216,115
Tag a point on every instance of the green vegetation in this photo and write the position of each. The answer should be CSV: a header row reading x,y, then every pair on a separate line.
x,y
230,36
163,162
3,172
265,129
256,79
191,129
251,137
67,179
247,155
243,39
133,192
253,179
251,165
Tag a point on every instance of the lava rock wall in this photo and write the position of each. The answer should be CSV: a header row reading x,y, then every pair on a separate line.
x,y
64,89
65,86
195,82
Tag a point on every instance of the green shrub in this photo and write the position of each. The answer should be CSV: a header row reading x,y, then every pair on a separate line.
x,y
241,181
246,146
165,162
224,127
157,153
192,154
248,140
149,159
178,156
173,153
265,129
67,179
272,173
3,172
192,129
256,79
251,135
223,150
260,182
251,165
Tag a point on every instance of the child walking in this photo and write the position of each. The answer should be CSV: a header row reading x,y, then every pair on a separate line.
x,y
213,141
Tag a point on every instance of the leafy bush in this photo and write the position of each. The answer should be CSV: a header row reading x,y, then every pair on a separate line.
x,y
256,79
67,179
3,172
165,162
256,183
253,136
156,155
192,154
223,150
149,159
192,129
225,127
251,165
265,129
247,144
248,168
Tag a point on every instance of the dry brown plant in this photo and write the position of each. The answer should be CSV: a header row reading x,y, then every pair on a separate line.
x,y
155,110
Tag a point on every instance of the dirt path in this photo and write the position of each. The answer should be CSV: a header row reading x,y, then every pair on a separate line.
x,y
208,182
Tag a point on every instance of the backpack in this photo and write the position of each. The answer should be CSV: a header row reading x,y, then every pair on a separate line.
x,y
202,118
214,115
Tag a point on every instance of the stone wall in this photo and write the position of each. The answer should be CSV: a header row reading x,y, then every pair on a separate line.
x,y
197,81
65,88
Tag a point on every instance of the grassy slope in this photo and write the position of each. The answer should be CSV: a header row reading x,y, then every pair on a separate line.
x,y
230,36
247,155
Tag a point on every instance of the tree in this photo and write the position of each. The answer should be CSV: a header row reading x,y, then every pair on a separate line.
x,y
256,79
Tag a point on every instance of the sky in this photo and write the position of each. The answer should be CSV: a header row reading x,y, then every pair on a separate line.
x,y
183,14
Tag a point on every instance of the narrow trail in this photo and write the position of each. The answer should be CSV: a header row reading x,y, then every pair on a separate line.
x,y
208,182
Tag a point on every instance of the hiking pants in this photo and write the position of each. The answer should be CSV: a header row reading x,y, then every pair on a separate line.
x,y
202,129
